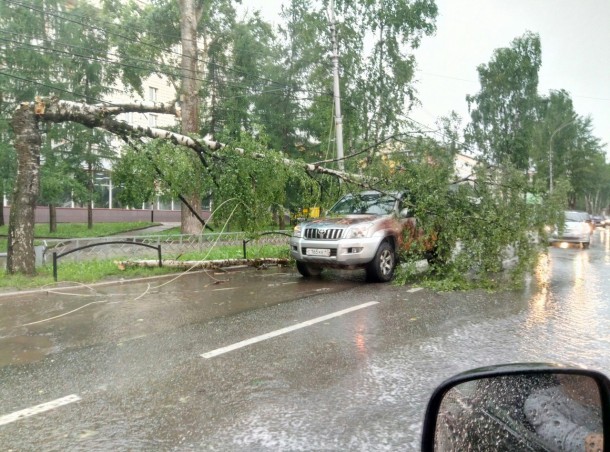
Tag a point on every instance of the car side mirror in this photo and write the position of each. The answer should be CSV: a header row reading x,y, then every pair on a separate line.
x,y
536,407
405,213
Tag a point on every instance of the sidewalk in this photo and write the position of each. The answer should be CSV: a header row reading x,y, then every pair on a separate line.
x,y
149,231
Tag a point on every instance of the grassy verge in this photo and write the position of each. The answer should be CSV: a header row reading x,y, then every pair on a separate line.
x,y
91,271
81,272
236,252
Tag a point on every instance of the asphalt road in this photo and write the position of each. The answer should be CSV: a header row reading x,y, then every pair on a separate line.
x,y
264,360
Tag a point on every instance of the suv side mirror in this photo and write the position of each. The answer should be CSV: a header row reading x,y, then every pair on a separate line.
x,y
537,407
405,213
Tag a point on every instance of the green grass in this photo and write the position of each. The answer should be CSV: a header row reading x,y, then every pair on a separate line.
x,y
90,271
254,251
80,230
81,272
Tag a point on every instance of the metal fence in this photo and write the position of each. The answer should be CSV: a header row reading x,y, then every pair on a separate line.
x,y
172,245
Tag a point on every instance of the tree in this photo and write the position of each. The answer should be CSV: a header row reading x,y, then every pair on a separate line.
x,y
50,47
504,111
564,148
20,256
586,168
382,80
28,141
183,24
376,40
555,131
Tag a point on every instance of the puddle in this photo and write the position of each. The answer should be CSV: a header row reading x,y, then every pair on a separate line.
x,y
23,349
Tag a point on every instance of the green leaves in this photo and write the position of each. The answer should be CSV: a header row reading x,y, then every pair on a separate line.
x,y
504,111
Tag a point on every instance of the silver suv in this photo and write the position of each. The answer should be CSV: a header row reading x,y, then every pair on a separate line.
x,y
360,230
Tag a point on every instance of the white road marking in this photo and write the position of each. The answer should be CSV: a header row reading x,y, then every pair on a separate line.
x,y
224,288
263,337
27,412
415,289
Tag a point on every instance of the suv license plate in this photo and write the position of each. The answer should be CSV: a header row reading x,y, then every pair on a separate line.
x,y
317,252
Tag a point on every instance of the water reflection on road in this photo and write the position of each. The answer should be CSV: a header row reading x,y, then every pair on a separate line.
x,y
568,315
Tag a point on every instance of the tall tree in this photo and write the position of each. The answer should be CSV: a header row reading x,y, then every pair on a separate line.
x,y
504,111
190,14
47,47
376,39
585,166
177,25
554,134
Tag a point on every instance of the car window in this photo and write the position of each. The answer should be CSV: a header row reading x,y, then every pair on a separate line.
x,y
576,216
372,204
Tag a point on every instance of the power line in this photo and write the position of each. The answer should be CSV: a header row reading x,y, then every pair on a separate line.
x,y
149,69
56,88
61,15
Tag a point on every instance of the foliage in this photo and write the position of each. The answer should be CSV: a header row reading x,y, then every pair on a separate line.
x,y
249,187
475,225
157,168
254,251
376,39
504,111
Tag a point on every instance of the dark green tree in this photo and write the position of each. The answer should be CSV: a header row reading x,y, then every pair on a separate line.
x,y
504,111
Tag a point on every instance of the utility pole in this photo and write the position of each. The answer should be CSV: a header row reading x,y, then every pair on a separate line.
x,y
336,90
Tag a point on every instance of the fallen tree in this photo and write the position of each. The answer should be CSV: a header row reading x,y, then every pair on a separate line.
x,y
212,264
25,123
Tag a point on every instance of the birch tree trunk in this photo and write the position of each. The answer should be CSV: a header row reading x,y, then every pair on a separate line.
x,y
189,99
20,256
52,218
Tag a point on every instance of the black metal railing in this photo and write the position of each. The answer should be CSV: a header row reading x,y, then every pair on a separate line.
x,y
245,241
57,256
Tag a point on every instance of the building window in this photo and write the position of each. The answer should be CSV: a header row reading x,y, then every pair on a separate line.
x,y
152,120
152,94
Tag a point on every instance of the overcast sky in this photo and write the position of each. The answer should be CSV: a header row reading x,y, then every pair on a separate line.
x,y
575,37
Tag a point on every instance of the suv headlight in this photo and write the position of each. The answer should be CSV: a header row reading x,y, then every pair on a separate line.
x,y
358,231
296,232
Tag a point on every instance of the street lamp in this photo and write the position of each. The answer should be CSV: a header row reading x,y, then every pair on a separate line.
x,y
565,124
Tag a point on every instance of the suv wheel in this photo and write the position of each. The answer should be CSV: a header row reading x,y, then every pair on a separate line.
x,y
381,268
308,270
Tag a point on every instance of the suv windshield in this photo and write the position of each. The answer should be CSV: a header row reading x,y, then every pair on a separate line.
x,y
368,203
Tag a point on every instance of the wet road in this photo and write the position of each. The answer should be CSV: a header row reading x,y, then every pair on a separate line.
x,y
330,364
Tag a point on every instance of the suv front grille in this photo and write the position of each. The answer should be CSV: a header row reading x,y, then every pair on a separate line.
x,y
323,233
